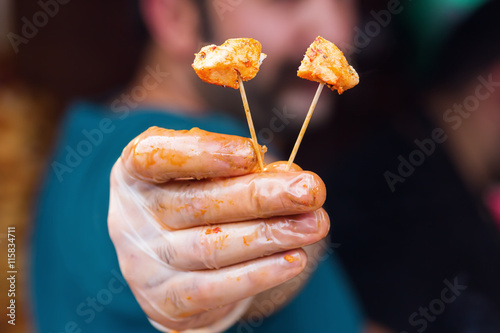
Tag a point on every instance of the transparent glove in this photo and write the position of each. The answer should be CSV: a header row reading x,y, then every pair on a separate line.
x,y
198,231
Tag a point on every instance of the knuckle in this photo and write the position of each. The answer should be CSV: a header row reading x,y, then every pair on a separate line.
x,y
156,202
256,196
185,296
268,232
167,252
174,305
275,240
177,205
159,202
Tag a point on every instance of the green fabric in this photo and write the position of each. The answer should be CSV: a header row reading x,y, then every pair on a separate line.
x,y
76,282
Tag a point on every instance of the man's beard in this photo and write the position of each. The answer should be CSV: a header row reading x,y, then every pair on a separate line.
x,y
278,107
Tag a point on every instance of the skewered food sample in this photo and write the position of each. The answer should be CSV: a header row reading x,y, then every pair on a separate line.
x,y
325,63
221,65
228,65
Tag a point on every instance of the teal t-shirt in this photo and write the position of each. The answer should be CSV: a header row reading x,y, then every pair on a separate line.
x,y
76,281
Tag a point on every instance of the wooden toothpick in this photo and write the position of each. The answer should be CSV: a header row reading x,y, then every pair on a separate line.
x,y
304,126
250,124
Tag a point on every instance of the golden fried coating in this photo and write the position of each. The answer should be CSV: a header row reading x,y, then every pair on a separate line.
x,y
221,65
325,63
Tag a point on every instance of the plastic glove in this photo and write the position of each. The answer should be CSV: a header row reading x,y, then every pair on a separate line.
x,y
194,252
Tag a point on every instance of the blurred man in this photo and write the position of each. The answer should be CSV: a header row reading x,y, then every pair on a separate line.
x,y
78,286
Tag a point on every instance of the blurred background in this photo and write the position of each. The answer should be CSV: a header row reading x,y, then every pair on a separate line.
x,y
91,48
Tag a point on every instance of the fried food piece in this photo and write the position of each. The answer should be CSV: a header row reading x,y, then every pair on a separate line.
x,y
222,64
325,63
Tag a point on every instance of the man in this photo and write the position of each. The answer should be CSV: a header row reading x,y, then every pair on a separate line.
x,y
78,286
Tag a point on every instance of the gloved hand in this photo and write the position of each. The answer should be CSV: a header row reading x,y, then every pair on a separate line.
x,y
198,232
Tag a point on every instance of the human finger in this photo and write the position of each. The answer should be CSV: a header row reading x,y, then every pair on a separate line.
x,y
216,246
194,292
159,155
188,203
